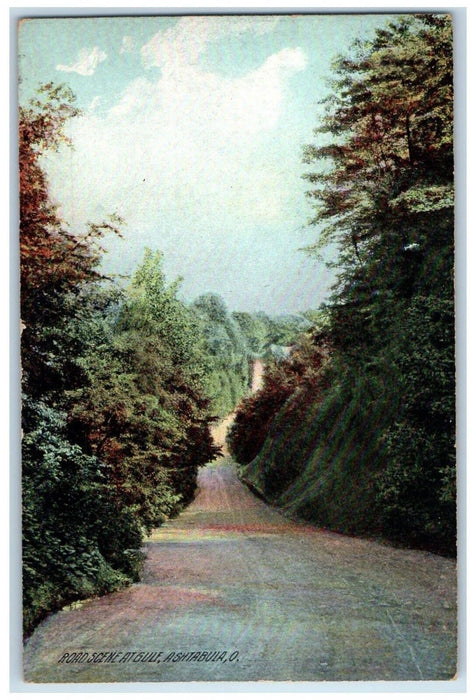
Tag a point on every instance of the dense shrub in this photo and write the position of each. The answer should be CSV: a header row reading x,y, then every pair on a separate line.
x,y
255,414
76,541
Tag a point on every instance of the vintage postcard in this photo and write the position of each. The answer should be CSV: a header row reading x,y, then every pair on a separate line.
x,y
238,348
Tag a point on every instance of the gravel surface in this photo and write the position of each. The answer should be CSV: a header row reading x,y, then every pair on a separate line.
x,y
234,591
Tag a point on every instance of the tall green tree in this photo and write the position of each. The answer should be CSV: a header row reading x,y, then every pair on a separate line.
x,y
391,122
385,200
144,411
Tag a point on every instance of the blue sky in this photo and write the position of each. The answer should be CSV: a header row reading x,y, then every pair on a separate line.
x,y
192,130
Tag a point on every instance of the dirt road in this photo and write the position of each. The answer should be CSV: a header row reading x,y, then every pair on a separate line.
x,y
234,591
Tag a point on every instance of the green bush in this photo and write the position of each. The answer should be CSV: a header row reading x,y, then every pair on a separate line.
x,y
417,488
76,543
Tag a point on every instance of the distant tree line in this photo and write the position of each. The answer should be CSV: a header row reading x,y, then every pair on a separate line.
x,y
233,340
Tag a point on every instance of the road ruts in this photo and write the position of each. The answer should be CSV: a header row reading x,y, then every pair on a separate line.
x,y
233,591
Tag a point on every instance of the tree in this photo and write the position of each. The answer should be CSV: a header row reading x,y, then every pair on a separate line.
x,y
255,414
56,267
373,450
76,540
143,411
391,111
115,420
386,201
227,351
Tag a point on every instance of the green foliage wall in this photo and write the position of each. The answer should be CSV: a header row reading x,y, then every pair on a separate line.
x,y
375,452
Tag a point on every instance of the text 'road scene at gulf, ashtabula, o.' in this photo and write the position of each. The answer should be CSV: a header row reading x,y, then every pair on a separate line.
x,y
238,348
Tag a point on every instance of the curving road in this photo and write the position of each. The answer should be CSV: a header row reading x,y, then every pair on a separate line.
x,y
234,591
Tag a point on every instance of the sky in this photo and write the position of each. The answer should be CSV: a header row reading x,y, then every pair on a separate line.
x,y
192,130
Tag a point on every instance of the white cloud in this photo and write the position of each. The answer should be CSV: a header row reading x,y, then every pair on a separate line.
x,y
194,100
128,45
95,102
190,153
88,61
183,43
